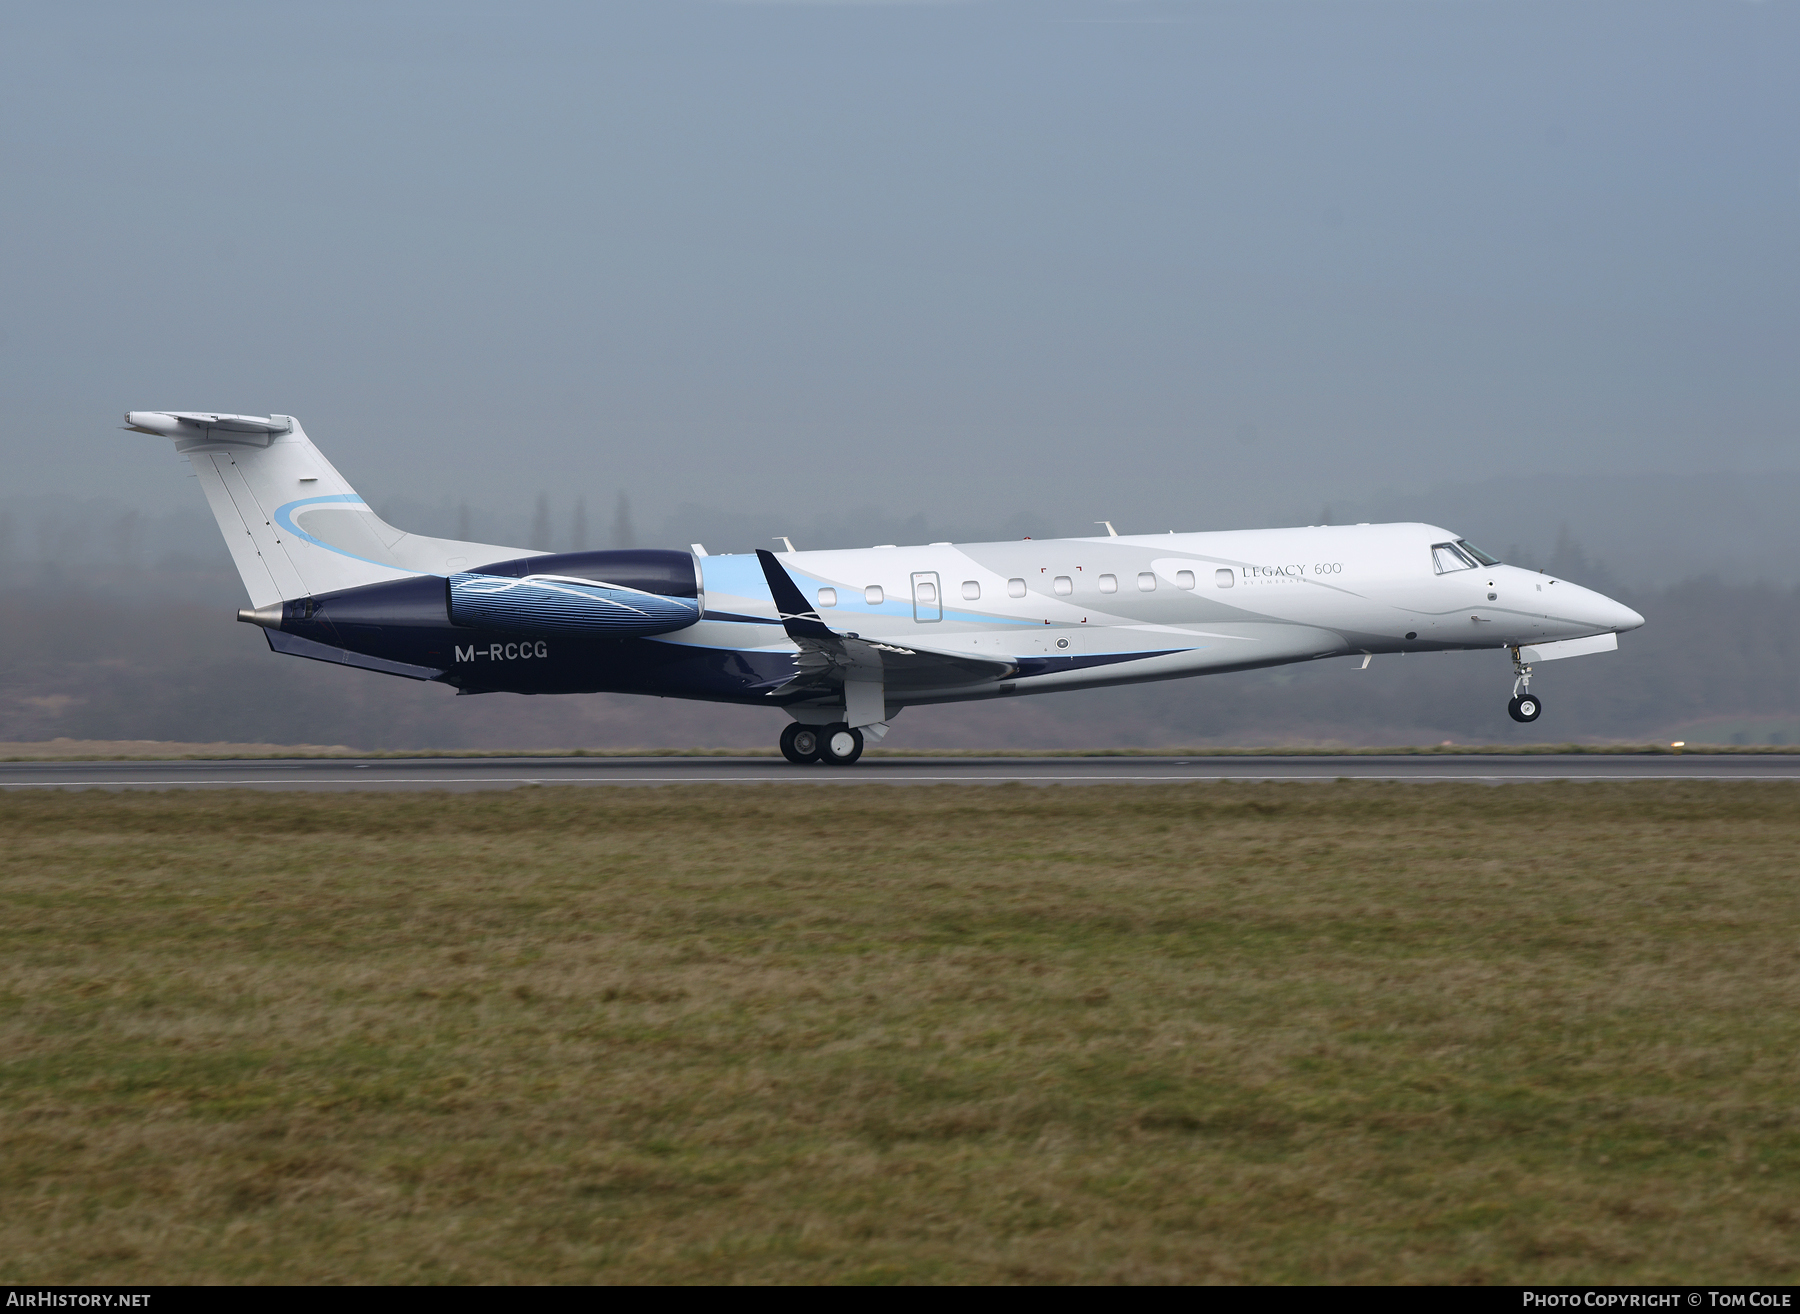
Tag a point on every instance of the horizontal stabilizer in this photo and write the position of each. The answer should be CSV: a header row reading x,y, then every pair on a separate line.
x,y
174,424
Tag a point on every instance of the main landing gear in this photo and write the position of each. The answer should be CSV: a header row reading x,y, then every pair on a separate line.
x,y
834,745
800,744
1525,705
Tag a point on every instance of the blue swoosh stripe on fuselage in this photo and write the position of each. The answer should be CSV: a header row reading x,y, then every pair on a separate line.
x,y
741,576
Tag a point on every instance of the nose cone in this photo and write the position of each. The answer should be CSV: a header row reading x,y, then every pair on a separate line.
x,y
1603,613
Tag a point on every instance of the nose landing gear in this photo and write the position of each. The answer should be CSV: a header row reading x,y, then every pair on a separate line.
x,y
1525,705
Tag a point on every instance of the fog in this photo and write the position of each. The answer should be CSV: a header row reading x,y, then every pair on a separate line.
x,y
128,632
151,655
860,273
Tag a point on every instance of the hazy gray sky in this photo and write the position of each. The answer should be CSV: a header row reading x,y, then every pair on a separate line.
x,y
1152,261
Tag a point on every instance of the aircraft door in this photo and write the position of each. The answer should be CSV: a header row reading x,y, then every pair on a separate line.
x,y
928,596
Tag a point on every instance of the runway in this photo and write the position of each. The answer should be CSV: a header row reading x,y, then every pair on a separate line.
x,y
450,773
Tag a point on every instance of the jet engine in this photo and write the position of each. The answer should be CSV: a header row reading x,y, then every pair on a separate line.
x,y
544,605
622,594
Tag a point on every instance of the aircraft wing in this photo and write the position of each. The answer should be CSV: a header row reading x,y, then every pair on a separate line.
x,y
829,657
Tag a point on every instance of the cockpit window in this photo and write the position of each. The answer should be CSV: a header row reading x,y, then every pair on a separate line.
x,y
1477,553
1448,557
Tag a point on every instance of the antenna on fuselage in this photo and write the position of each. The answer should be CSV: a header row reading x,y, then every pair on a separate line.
x,y
783,539
1110,531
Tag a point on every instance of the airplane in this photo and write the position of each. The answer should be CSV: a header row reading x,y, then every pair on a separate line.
x,y
843,640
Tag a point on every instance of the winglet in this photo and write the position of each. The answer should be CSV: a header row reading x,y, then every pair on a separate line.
x,y
800,620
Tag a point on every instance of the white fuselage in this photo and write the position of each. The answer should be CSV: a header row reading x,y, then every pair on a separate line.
x,y
1097,611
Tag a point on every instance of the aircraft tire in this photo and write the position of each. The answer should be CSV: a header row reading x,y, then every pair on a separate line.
x,y
800,744
839,745
1527,707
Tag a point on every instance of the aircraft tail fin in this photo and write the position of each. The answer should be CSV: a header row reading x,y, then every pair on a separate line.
x,y
295,526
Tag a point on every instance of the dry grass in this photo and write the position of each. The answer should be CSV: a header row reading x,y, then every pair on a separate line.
x,y
1242,1032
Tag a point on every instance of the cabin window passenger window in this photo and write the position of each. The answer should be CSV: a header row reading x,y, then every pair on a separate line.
x,y
1224,578
828,597
873,595
1015,588
1447,557
927,592
1147,581
1184,579
1064,586
1109,583
971,590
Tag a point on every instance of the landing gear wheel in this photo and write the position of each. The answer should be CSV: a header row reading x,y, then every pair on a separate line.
x,y
1524,705
839,745
800,744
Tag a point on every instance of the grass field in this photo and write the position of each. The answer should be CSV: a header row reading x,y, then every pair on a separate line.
x,y
1241,1032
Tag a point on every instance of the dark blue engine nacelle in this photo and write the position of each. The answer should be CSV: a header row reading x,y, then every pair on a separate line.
x,y
605,595
572,622
545,605
597,595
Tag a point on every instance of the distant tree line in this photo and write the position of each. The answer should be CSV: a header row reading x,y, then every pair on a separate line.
x,y
137,654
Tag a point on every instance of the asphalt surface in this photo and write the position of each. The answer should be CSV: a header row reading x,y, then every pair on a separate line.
x,y
508,773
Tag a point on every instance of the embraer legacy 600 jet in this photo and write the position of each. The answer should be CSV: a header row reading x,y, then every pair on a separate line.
x,y
843,640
